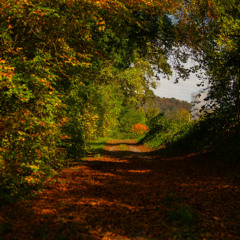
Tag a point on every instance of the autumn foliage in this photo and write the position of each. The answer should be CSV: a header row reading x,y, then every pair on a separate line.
x,y
74,70
70,68
139,128
64,68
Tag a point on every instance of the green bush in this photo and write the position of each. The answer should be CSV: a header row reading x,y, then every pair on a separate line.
x,y
212,132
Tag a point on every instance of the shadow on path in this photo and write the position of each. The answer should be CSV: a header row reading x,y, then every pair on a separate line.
x,y
120,196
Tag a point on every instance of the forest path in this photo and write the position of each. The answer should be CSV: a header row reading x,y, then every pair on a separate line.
x,y
130,192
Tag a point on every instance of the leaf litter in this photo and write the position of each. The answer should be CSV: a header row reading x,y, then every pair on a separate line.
x,y
132,193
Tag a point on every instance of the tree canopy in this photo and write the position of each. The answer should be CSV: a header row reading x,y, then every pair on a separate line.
x,y
71,68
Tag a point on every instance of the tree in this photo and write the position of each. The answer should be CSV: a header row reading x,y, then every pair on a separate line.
x,y
57,59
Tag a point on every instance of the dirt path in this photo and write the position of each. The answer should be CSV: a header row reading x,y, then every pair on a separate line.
x,y
131,193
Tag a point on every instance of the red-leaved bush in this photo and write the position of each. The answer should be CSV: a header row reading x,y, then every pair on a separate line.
x,y
139,128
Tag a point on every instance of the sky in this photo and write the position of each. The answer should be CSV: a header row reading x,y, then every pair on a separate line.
x,y
182,90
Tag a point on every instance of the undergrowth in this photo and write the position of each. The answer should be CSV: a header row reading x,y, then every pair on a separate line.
x,y
210,133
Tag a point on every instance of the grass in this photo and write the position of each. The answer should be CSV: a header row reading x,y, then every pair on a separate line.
x,y
97,147
123,147
182,219
182,216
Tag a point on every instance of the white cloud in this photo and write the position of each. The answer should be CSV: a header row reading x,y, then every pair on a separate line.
x,y
182,90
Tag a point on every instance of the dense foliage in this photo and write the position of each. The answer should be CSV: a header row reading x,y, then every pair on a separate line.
x,y
69,70
74,70
213,35
164,131
209,32
209,133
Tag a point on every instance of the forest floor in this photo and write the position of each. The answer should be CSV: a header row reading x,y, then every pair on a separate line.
x,y
129,192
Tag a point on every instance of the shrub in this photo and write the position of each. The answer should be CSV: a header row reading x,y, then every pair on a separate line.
x,y
139,129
